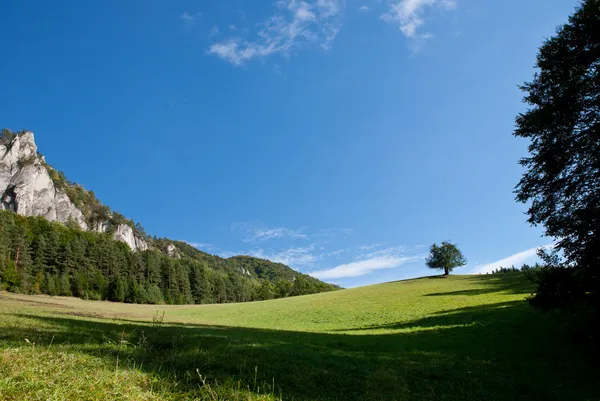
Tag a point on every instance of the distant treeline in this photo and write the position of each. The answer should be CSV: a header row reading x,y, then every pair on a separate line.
x,y
513,269
42,257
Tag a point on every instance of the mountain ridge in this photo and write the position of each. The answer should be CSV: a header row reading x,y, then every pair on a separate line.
x,y
32,188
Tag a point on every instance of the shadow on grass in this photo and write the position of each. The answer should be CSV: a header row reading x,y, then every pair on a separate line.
x,y
511,283
505,351
452,318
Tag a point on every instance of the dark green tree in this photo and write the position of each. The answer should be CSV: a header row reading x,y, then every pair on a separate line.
x,y
21,257
117,289
200,284
562,178
9,279
446,256
65,285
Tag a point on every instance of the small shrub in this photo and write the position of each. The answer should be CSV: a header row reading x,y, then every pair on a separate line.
x,y
158,318
26,161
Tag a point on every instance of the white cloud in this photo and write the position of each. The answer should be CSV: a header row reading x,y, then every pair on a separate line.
x,y
362,267
232,27
368,262
364,9
329,8
409,14
188,18
368,247
293,257
296,25
517,259
259,233
391,252
199,245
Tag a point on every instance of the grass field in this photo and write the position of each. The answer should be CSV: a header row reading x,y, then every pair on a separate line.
x,y
453,338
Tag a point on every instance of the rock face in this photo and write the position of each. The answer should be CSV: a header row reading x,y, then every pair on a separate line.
x,y
101,227
173,252
26,187
125,234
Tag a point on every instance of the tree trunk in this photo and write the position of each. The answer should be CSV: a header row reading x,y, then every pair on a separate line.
x,y
446,272
17,258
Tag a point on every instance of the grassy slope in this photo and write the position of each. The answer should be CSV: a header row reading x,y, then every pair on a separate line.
x,y
456,338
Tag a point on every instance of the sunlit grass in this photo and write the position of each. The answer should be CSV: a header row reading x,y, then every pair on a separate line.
x,y
456,338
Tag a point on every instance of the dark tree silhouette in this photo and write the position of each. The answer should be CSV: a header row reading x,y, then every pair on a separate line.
x,y
562,178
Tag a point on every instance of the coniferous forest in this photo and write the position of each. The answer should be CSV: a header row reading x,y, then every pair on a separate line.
x,y
42,257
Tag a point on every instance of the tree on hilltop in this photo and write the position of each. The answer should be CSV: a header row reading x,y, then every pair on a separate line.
x,y
446,256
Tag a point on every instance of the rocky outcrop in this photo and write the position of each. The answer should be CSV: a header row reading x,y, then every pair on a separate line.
x,y
173,252
125,234
26,187
101,227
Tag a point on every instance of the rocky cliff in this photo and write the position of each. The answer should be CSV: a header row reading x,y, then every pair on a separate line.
x,y
27,188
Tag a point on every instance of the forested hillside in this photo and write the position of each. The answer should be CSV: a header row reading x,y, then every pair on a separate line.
x,y
42,257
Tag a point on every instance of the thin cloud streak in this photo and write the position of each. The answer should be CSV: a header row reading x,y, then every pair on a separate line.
x,y
363,267
516,259
293,257
199,244
254,232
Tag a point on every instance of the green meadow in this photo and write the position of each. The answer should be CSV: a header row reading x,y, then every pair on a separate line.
x,y
435,338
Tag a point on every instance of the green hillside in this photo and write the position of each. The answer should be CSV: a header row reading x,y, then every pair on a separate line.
x,y
454,338
42,257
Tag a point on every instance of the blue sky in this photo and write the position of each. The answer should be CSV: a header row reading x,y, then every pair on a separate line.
x,y
339,137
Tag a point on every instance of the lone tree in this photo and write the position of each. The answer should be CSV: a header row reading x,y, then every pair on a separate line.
x,y
446,256
562,178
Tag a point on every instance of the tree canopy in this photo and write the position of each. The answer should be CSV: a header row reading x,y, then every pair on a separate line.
x,y
562,178
446,256
38,256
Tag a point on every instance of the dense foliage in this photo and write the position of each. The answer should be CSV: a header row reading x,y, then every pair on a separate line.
x,y
38,256
562,178
446,256
513,269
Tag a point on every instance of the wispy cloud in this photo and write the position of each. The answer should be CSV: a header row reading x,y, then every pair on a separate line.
x,y
516,260
254,232
362,267
295,25
364,9
366,263
294,257
214,31
368,247
259,232
200,245
333,232
189,19
409,15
